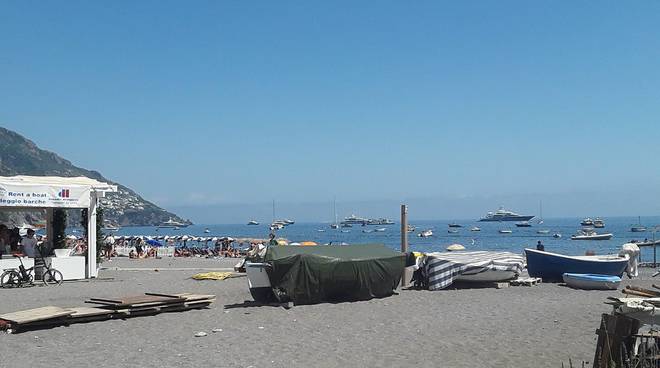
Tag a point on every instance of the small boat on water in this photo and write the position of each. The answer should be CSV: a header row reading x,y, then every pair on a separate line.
x,y
647,243
334,226
590,234
475,228
552,266
587,222
411,228
425,233
591,281
346,225
599,223
452,231
453,224
252,222
321,230
367,231
380,229
638,228
543,231
523,224
556,235
206,231
505,231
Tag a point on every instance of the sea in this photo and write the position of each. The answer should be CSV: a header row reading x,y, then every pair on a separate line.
x,y
488,238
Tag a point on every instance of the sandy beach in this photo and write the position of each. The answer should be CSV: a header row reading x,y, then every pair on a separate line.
x,y
539,326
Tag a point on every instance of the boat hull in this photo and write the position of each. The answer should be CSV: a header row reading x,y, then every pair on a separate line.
x,y
551,266
591,281
487,276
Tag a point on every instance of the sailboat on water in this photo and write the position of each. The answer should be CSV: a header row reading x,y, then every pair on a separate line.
x,y
334,225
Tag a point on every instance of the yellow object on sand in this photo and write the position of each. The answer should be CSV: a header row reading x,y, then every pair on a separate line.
x,y
212,276
308,243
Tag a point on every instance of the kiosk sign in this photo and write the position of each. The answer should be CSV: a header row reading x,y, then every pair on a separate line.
x,y
25,195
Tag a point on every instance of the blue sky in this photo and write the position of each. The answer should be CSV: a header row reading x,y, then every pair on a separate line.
x,y
208,106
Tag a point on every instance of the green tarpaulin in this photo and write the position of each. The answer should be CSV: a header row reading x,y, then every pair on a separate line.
x,y
307,275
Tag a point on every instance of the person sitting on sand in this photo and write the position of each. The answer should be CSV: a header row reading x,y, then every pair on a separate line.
x,y
539,246
132,254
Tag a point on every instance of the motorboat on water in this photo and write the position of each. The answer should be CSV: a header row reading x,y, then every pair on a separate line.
x,y
588,281
505,215
452,231
505,231
556,235
379,221
380,229
455,248
599,223
353,220
411,228
453,224
346,225
638,228
647,243
523,224
552,266
252,222
334,226
425,233
590,234
206,231
367,231
544,231
587,222
475,228
171,224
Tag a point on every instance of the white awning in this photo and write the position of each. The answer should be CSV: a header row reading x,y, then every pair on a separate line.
x,y
50,191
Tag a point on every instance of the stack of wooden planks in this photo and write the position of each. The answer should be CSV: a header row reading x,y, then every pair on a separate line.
x,y
106,308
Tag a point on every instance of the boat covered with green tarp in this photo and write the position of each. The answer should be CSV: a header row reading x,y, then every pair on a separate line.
x,y
314,274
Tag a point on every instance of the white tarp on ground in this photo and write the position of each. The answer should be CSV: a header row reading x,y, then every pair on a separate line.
x,y
49,191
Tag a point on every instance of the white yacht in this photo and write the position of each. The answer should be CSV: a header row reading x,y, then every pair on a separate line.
x,y
172,224
505,215
586,234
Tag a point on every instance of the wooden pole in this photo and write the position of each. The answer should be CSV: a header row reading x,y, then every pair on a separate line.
x,y
654,248
404,228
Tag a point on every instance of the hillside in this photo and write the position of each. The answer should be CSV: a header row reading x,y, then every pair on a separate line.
x,y
20,156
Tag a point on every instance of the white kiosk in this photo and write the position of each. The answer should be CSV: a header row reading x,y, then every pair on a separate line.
x,y
50,192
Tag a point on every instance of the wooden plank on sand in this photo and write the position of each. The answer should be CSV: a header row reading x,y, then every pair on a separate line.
x,y
36,314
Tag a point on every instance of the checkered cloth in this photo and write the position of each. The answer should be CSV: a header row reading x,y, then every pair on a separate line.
x,y
441,268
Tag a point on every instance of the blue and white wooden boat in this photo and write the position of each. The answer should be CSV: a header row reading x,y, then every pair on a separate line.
x,y
552,266
591,281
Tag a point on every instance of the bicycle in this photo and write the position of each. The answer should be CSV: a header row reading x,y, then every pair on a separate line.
x,y
22,276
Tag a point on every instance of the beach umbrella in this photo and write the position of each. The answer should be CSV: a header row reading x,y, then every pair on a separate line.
x,y
308,243
294,243
185,238
72,237
214,239
154,243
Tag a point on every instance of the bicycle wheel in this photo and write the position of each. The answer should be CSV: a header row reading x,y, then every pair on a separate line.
x,y
9,279
53,277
